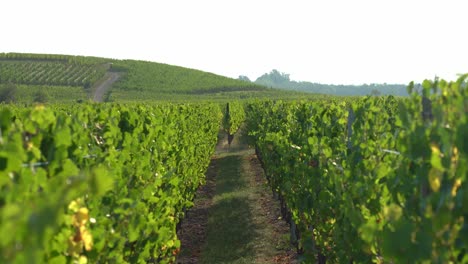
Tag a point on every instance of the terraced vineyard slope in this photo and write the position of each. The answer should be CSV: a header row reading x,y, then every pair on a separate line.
x,y
50,72
62,78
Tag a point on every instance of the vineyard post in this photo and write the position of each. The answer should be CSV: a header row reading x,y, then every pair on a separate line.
x,y
292,229
351,118
427,117
227,122
426,109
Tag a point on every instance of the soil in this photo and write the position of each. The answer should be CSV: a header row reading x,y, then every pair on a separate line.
x,y
270,210
192,232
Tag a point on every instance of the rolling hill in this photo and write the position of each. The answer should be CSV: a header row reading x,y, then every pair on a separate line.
x,y
61,78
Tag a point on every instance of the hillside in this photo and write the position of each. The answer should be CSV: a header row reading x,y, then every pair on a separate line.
x,y
143,80
58,78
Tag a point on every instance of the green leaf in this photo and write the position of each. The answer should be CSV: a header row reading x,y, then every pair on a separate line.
x,y
69,169
396,243
427,85
58,260
312,141
62,137
5,120
327,152
436,158
393,212
100,181
368,231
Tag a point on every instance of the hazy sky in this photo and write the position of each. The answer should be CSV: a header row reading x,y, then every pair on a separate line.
x,y
327,41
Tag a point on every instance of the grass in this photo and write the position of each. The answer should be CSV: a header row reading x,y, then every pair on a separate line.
x,y
241,225
54,94
230,229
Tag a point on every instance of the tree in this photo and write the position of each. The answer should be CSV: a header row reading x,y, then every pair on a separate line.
x,y
244,78
274,78
279,77
376,92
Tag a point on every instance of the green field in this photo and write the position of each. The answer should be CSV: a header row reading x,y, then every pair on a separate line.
x,y
138,80
372,179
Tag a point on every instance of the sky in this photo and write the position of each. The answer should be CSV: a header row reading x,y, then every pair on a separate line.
x,y
325,41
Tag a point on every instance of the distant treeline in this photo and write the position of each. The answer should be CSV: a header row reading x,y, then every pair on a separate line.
x,y
276,79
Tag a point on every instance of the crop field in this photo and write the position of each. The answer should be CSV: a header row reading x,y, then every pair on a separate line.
x,y
372,179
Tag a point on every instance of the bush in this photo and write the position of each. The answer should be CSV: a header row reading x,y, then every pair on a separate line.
x,y
8,93
40,97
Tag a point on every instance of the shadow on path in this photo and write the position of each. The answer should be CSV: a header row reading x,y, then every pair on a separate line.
x,y
235,219
230,228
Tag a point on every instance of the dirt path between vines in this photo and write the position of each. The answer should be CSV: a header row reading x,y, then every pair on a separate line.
x,y
235,218
104,86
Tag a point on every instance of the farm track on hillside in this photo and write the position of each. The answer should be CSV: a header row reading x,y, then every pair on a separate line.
x,y
103,87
